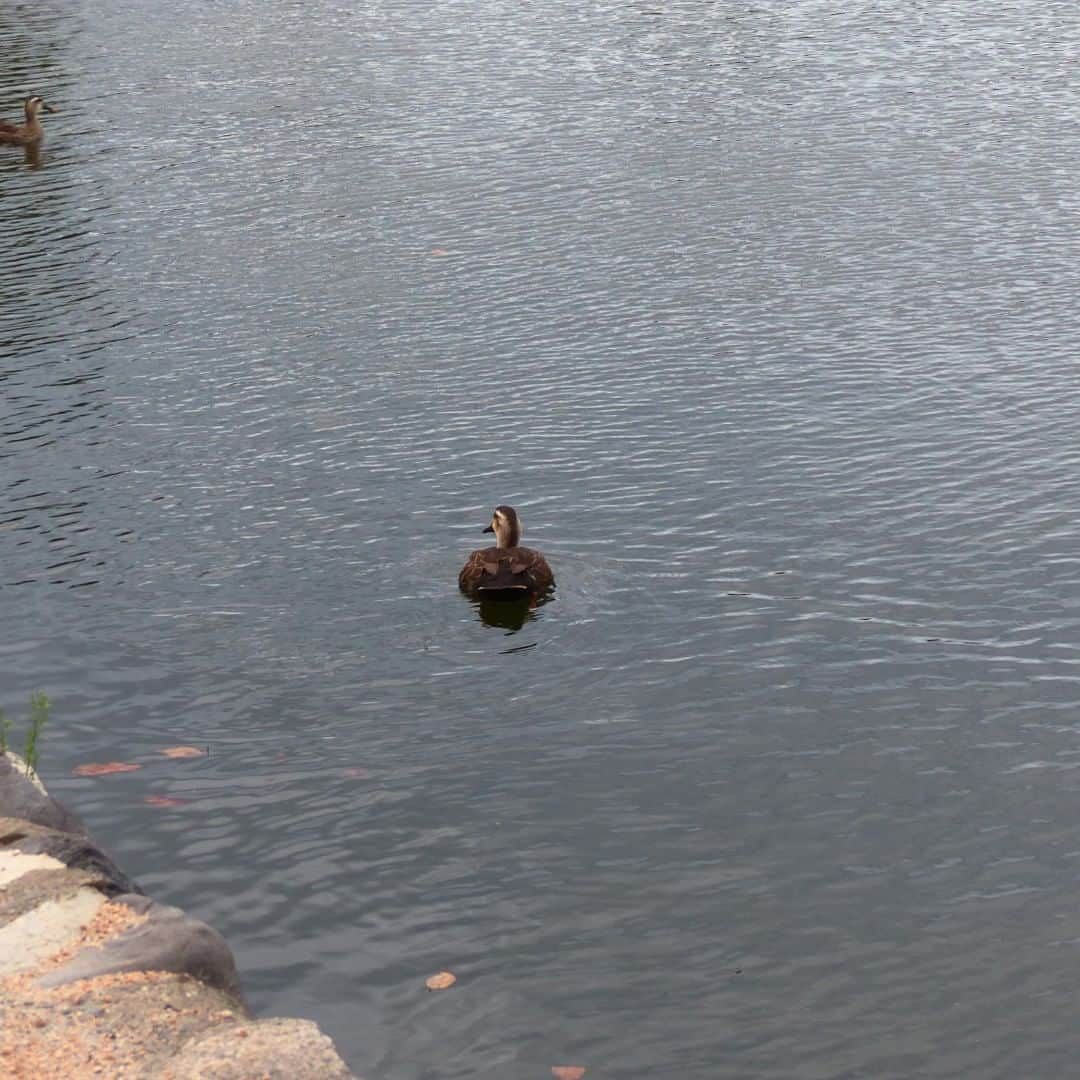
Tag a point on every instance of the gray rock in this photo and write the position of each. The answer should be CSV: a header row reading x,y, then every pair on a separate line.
x,y
37,934
169,940
270,1049
75,850
178,1011
14,864
41,886
21,797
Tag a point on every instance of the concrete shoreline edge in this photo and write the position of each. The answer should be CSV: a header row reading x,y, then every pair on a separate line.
x,y
98,980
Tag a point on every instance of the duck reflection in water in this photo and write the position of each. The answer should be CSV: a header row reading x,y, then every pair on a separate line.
x,y
510,615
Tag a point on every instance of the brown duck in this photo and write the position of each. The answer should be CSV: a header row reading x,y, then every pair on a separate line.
x,y
29,133
506,570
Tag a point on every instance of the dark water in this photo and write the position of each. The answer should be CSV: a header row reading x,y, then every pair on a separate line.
x,y
764,316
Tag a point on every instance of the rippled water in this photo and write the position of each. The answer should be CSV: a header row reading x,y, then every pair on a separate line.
x,y
764,317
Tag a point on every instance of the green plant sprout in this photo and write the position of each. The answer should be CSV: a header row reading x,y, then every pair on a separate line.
x,y
39,715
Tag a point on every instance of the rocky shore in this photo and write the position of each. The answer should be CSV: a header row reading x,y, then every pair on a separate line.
x,y
98,980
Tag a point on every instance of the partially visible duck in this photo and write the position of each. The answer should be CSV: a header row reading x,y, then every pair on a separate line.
x,y
506,570
31,132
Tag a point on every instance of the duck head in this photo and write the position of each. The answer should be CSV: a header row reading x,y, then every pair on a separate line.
x,y
506,527
34,105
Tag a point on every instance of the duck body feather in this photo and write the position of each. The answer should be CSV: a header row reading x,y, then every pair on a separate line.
x,y
506,571
31,132
19,134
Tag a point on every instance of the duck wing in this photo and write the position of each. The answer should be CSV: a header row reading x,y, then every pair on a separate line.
x,y
9,128
495,570
534,567
479,567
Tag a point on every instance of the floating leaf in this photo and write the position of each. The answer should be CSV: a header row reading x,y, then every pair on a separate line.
x,y
163,800
441,981
101,768
438,251
568,1072
183,752
355,774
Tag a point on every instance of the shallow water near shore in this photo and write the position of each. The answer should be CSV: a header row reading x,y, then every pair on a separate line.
x,y
764,318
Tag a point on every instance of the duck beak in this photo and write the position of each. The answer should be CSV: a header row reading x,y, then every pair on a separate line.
x,y
490,528
49,108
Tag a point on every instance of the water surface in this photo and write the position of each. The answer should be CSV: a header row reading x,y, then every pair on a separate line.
x,y
763,316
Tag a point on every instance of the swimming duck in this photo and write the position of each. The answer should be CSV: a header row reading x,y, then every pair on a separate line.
x,y
506,570
31,132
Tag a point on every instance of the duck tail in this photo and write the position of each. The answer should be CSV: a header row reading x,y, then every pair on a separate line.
x,y
508,581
